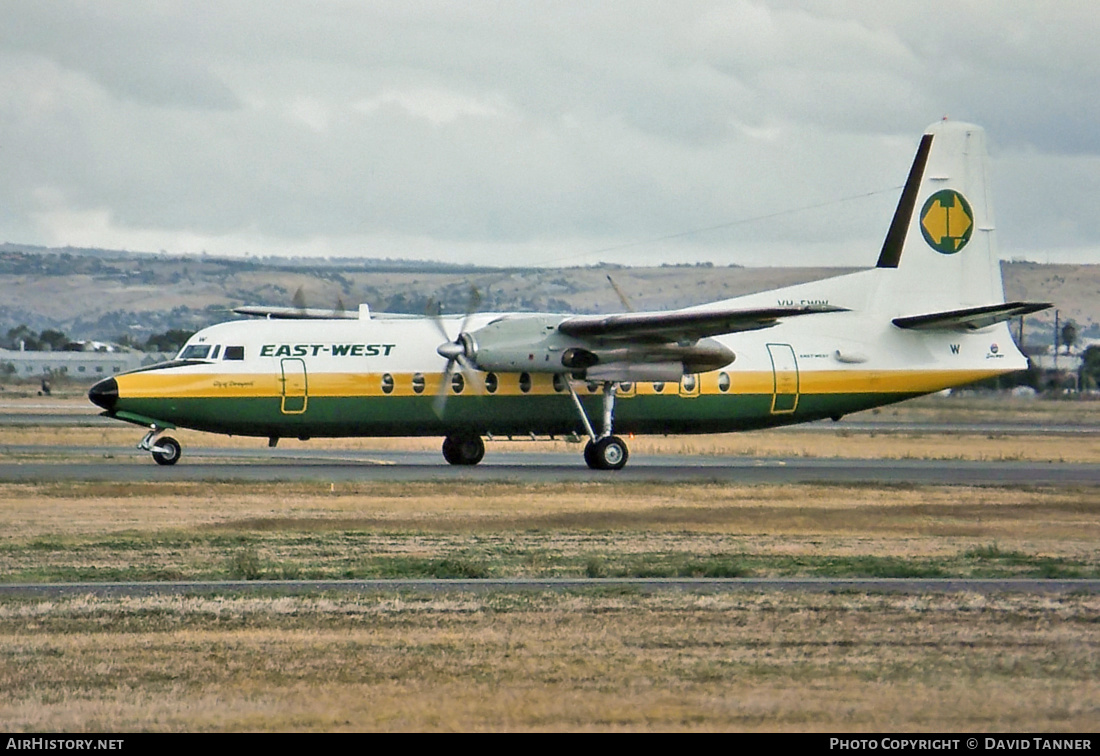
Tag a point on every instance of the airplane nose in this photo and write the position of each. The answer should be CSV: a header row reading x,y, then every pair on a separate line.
x,y
104,393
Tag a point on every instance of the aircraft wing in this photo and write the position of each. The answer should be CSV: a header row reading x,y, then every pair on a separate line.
x,y
971,318
296,313
680,325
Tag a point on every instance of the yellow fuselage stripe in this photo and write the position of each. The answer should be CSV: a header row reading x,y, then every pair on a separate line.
x,y
157,384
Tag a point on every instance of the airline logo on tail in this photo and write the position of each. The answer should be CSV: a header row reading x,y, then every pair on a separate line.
x,y
946,221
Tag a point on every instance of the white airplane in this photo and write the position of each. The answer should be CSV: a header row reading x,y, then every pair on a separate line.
x,y
930,315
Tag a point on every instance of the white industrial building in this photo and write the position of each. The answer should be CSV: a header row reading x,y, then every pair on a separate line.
x,y
89,365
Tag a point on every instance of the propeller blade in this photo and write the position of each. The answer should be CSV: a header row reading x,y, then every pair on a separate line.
x,y
299,299
454,351
434,312
622,297
439,404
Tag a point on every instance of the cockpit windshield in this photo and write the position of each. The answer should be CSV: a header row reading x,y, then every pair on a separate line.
x,y
194,352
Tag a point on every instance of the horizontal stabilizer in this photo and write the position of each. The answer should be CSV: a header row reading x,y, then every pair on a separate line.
x,y
970,319
683,324
296,313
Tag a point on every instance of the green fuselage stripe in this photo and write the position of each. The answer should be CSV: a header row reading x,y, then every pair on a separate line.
x,y
497,415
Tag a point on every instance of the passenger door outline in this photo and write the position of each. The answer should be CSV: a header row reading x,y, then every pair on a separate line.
x,y
785,383
295,386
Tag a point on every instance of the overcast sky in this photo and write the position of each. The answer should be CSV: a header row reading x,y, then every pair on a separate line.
x,y
546,133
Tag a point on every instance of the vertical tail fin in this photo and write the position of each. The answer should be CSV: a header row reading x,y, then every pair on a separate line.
x,y
941,241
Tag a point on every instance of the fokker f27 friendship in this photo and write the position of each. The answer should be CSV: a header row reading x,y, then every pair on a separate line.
x,y
930,315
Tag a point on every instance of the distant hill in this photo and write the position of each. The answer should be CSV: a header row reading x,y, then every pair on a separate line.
x,y
102,294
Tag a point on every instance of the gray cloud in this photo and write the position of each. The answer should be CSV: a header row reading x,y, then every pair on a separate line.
x,y
550,129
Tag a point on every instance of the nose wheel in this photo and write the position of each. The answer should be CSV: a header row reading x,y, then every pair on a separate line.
x,y
165,449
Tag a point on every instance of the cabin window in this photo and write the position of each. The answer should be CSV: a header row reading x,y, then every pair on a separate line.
x,y
491,383
626,386
593,387
195,352
214,353
387,384
418,383
559,383
723,382
233,353
525,382
458,383
98,369
689,382
659,386
81,369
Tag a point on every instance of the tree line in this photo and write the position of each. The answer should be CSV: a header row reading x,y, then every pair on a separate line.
x,y
53,340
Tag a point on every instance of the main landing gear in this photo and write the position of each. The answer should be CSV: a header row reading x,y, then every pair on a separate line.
x,y
463,449
605,451
602,452
165,449
609,453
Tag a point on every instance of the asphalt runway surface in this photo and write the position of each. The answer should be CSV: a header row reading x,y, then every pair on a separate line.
x,y
270,465
49,416
122,464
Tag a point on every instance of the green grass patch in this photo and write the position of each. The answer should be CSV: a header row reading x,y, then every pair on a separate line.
x,y
332,555
992,559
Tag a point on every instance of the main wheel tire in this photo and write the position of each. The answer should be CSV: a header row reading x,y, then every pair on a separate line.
x,y
590,456
172,451
606,454
463,450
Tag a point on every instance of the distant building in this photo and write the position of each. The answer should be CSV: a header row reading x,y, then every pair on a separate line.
x,y
1064,363
90,365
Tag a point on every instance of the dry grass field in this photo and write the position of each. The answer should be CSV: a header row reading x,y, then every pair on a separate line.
x,y
600,659
582,660
589,661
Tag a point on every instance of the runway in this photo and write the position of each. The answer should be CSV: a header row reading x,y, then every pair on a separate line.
x,y
126,464
65,416
42,463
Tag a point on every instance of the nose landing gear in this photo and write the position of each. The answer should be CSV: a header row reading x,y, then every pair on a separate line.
x,y
165,449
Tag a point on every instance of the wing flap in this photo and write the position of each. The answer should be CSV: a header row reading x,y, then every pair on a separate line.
x,y
683,324
971,318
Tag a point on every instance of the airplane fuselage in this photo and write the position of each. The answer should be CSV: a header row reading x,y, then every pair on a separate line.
x,y
381,377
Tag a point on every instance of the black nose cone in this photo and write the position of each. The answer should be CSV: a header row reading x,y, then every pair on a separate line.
x,y
104,393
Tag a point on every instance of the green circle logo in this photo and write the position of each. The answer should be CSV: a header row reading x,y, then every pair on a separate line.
x,y
946,221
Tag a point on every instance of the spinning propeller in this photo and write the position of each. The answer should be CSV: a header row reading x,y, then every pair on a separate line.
x,y
456,352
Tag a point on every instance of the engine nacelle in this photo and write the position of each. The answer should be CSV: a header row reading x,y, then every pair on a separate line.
x,y
522,344
534,345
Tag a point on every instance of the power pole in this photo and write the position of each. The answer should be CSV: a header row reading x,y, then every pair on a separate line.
x,y
1057,338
